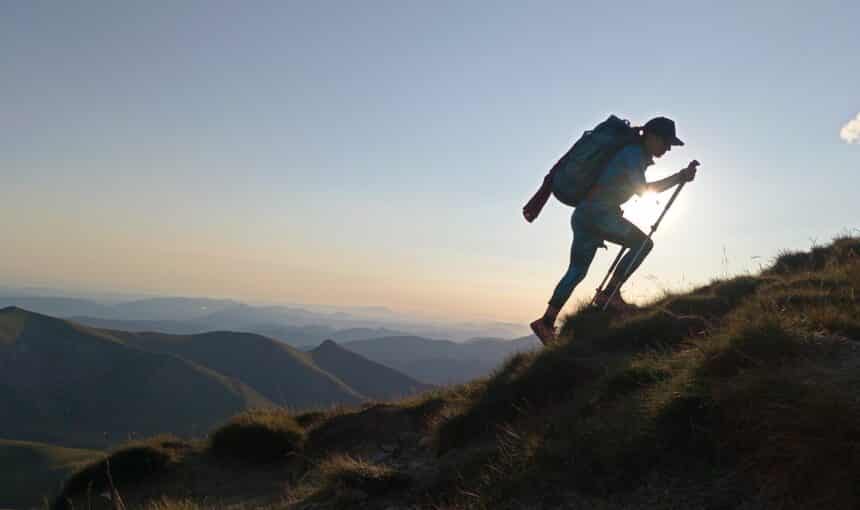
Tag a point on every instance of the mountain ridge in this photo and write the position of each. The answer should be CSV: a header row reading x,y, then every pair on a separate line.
x,y
76,376
369,377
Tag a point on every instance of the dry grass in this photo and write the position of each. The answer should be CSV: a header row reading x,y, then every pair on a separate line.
x,y
173,504
758,392
261,435
129,463
340,481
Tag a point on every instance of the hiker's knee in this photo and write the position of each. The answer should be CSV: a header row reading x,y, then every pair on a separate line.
x,y
647,245
638,239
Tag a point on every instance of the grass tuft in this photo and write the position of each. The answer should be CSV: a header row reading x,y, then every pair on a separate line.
x,y
259,436
129,463
751,345
632,378
347,472
528,380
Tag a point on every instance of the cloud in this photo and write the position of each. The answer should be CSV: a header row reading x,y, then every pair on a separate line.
x,y
851,132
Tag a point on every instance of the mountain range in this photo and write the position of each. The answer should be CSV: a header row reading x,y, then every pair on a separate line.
x,y
295,325
440,361
73,385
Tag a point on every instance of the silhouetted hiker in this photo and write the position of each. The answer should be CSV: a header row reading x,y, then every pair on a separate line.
x,y
598,215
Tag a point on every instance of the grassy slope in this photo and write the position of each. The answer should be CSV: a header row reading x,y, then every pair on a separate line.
x,y
739,394
33,469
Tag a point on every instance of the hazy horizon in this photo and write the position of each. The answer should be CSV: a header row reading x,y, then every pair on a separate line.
x,y
380,154
111,297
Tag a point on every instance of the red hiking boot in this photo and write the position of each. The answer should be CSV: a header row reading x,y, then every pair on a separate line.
x,y
544,332
616,304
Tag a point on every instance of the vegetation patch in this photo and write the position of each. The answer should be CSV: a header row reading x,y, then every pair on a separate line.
x,y
309,419
834,320
734,290
341,481
632,378
166,503
704,305
651,329
129,463
262,435
842,250
526,381
344,431
12,322
764,341
797,433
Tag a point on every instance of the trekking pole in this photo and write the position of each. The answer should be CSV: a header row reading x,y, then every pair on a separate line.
x,y
642,246
615,263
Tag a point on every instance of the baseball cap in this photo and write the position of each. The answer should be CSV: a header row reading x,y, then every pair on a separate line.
x,y
664,128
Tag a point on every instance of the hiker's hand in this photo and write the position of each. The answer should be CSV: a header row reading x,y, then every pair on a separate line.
x,y
689,173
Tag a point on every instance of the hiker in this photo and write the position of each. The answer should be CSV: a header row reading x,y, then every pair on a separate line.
x,y
598,217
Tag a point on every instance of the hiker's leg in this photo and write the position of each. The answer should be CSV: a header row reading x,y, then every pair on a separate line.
x,y
618,277
617,229
550,314
582,252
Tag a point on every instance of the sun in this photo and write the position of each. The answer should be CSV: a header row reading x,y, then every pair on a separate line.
x,y
644,210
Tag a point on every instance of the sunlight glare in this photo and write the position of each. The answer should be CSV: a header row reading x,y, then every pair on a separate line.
x,y
644,210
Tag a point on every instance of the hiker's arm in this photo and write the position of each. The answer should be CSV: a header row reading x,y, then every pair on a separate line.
x,y
685,175
664,184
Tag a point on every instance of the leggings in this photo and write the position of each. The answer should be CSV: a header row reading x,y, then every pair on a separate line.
x,y
591,226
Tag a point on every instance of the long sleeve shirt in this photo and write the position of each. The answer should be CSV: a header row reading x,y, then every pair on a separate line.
x,y
623,176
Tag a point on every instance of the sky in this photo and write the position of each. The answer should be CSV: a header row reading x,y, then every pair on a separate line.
x,y
379,153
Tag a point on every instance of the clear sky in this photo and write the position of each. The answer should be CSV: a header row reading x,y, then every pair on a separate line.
x,y
380,152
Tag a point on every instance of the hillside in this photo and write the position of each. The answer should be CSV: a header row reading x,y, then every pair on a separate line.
x,y
73,385
440,361
740,394
367,377
31,469
57,306
281,373
67,384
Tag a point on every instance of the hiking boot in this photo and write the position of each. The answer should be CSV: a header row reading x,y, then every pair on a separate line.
x,y
544,332
616,304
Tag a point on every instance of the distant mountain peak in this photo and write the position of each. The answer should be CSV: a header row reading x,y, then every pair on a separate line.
x,y
368,377
328,346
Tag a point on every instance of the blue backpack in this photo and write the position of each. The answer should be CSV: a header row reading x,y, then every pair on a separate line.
x,y
573,176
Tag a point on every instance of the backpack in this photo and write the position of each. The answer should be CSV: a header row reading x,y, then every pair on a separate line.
x,y
575,173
